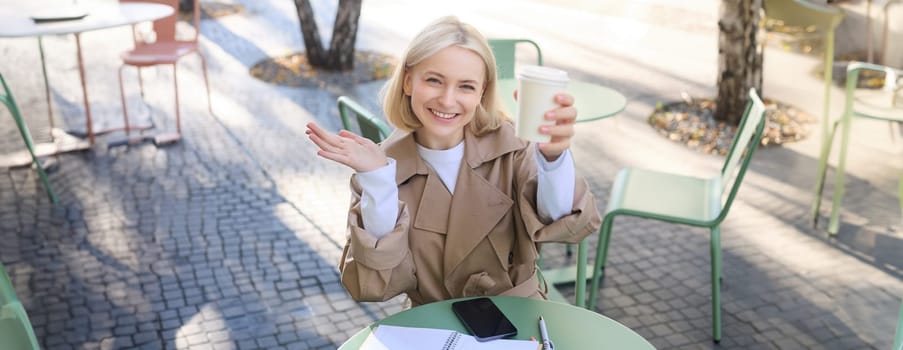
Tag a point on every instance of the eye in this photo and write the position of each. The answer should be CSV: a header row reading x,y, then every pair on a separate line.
x,y
469,87
433,80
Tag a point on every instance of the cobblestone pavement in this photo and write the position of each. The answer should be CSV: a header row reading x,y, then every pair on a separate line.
x,y
230,238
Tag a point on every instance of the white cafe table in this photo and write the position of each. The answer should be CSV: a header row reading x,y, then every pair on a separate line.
x,y
593,101
16,21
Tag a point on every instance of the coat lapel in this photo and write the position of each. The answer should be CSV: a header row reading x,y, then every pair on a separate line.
x,y
402,147
432,214
476,208
477,205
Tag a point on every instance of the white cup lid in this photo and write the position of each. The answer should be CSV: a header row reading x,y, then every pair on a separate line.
x,y
542,73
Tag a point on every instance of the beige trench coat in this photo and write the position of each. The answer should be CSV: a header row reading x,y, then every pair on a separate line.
x,y
481,241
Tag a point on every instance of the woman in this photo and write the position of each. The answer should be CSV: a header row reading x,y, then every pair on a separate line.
x,y
453,204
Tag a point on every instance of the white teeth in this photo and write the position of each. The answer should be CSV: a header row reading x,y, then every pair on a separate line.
x,y
443,115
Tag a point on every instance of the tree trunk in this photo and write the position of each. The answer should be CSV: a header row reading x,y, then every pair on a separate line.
x,y
344,34
186,5
313,46
340,55
739,57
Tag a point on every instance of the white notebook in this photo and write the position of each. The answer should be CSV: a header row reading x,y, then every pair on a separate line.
x,y
387,337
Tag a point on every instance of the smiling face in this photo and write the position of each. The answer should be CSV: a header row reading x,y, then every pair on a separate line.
x,y
445,90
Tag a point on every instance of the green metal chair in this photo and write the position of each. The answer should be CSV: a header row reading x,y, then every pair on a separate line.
x,y
885,104
369,125
814,20
15,328
7,99
898,340
504,51
701,202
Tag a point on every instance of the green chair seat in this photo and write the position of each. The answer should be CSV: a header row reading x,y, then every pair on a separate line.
x,y
666,196
877,104
674,198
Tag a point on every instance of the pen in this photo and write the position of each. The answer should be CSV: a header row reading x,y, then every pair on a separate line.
x,y
544,333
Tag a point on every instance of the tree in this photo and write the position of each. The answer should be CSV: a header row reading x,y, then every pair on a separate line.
x,y
739,57
340,55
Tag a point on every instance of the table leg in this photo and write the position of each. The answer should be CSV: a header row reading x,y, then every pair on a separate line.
x,y
868,32
568,274
81,74
884,34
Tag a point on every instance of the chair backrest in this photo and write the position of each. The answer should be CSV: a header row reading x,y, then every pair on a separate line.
x,y
165,28
746,141
7,293
810,16
504,51
893,89
7,99
15,328
369,125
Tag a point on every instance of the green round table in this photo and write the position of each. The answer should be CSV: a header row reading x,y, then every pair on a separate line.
x,y
593,101
570,327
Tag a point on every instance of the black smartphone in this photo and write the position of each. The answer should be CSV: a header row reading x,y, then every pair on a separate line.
x,y
483,319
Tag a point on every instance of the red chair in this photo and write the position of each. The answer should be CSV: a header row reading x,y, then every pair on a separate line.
x,y
164,50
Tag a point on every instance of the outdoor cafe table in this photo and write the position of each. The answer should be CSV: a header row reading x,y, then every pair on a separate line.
x,y
16,21
569,327
593,102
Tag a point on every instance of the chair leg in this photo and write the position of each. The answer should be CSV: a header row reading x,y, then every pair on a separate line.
x,y
834,223
898,339
125,110
827,143
175,83
892,125
207,83
580,284
716,283
140,83
26,136
46,83
601,255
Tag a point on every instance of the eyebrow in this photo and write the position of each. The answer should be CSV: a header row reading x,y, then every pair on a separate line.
x,y
468,81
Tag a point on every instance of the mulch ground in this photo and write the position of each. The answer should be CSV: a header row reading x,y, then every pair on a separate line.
x,y
691,122
294,70
212,9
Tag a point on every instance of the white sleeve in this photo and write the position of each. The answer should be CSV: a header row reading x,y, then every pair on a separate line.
x,y
555,186
379,199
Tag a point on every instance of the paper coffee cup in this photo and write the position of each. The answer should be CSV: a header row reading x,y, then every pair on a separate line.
x,y
536,90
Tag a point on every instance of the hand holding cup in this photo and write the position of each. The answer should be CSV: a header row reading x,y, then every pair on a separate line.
x,y
545,114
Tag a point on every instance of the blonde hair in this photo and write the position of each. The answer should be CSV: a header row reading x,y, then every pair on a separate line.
x,y
444,32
